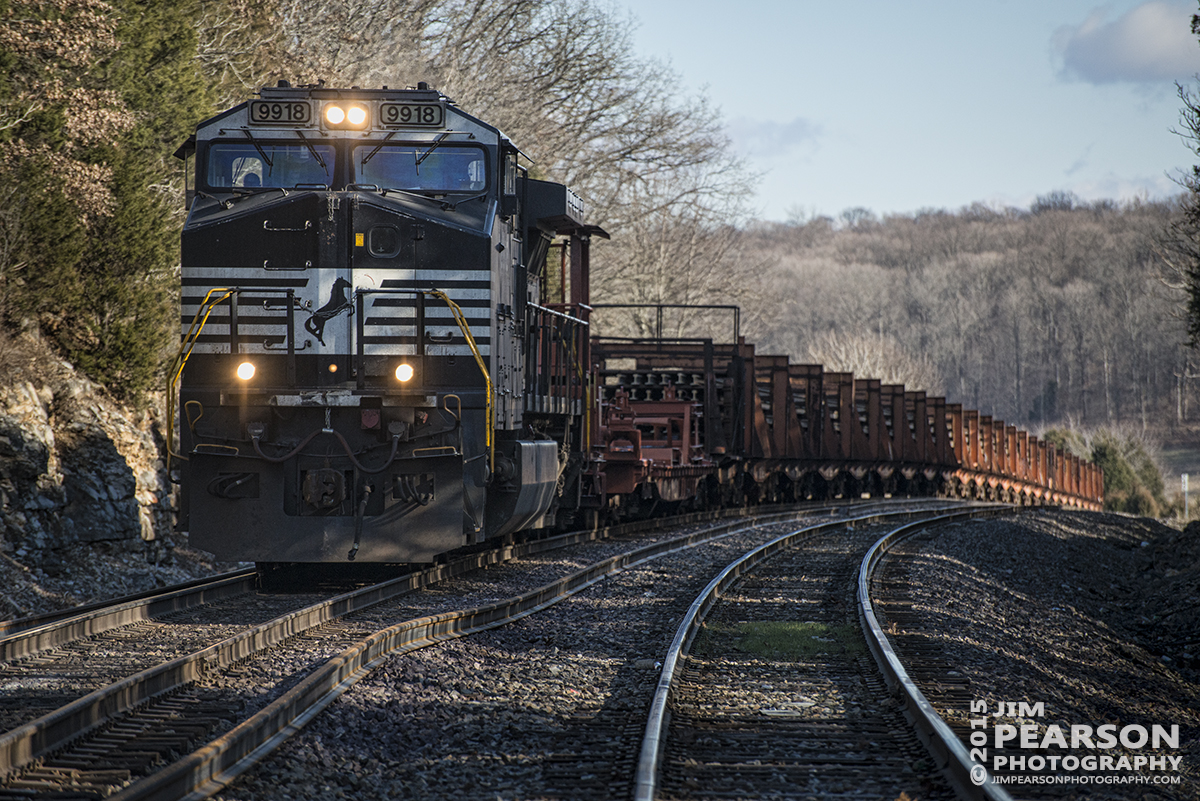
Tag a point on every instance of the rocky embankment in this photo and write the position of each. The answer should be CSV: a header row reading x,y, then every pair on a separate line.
x,y
86,506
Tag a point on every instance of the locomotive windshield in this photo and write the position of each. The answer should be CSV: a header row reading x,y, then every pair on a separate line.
x,y
422,168
251,165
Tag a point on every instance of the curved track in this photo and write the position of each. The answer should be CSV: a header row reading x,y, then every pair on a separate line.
x,y
153,727
739,720
149,752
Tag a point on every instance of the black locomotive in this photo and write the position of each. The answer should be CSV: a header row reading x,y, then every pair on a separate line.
x,y
365,372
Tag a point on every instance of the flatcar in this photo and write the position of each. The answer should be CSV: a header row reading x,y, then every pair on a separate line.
x,y
387,353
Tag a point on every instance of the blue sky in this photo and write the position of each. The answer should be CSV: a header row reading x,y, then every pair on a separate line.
x,y
898,106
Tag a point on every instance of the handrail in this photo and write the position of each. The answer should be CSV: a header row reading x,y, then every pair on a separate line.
x,y
557,313
461,319
199,320
737,313
181,359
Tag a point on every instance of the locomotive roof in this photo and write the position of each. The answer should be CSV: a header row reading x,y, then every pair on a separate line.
x,y
284,91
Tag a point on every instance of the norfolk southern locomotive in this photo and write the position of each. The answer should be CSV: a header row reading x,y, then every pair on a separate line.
x,y
386,356
365,372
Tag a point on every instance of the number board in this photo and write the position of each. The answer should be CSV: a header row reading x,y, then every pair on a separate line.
x,y
421,115
280,112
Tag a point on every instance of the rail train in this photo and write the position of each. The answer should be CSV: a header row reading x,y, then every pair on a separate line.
x,y
387,354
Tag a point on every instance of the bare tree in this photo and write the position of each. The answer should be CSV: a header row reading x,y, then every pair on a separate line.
x,y
560,77
1033,317
871,356
236,46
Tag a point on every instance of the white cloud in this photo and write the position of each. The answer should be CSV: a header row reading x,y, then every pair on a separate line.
x,y
1149,44
1081,162
770,138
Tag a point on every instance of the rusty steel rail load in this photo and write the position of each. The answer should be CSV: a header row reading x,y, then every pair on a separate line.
x,y
697,421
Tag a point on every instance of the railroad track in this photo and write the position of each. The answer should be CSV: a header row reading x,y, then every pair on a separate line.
x,y
63,619
782,695
65,655
970,604
137,736
128,723
550,706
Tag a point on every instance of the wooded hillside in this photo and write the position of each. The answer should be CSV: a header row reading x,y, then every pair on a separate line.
x,y
1054,315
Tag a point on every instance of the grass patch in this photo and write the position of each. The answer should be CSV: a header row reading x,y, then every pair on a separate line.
x,y
779,639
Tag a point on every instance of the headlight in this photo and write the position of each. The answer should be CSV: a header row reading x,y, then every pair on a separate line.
x,y
404,372
245,371
345,115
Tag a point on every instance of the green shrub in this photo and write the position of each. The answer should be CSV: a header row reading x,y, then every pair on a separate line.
x,y
1133,481
93,241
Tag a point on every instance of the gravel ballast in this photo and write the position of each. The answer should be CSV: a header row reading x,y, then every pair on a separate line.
x,y
1093,616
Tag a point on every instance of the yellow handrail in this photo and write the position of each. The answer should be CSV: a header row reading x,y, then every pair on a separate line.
x,y
201,318
461,319
181,358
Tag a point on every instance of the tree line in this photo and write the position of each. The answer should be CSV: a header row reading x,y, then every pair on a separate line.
x,y
95,95
1055,314
1065,318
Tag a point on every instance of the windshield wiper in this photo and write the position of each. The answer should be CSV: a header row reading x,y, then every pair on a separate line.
x,y
226,203
431,198
432,148
239,192
454,206
258,147
313,150
378,147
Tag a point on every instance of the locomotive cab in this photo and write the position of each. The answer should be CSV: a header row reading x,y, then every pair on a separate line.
x,y
358,377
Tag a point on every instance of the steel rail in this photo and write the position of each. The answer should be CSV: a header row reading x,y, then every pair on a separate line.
x,y
24,636
209,769
88,619
969,779
29,635
654,739
25,744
